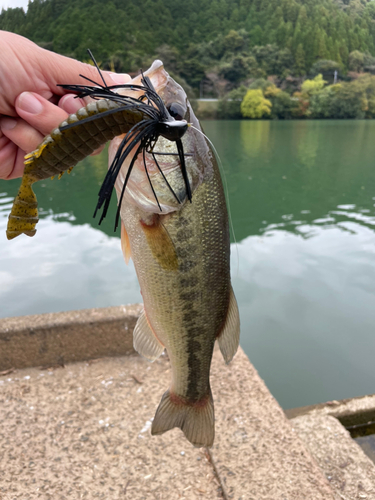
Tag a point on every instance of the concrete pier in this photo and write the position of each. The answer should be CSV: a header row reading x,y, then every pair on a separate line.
x,y
76,406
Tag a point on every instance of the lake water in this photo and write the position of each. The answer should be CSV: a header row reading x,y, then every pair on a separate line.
x,y
302,197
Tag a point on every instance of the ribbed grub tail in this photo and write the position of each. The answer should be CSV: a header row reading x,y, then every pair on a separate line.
x,y
196,420
24,215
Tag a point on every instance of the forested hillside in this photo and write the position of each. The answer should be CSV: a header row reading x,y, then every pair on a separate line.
x,y
213,46
196,31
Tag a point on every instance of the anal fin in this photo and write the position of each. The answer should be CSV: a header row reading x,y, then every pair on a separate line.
x,y
144,340
229,337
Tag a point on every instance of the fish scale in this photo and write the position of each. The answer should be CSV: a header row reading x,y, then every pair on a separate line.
x,y
174,224
188,306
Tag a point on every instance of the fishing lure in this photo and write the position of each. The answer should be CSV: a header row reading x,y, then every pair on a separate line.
x,y
142,119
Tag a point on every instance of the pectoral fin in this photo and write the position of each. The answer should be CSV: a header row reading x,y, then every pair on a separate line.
x,y
144,340
125,244
229,337
161,244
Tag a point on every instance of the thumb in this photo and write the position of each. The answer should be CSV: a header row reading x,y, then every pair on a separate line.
x,y
116,78
58,69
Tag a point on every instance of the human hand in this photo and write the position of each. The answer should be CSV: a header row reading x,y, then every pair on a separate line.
x,y
31,104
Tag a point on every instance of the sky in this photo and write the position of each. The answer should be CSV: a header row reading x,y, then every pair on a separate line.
x,y
14,3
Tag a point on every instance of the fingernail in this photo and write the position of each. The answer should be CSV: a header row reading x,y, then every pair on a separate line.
x,y
29,103
69,104
119,78
7,123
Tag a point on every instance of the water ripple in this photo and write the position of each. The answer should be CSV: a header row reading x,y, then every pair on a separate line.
x,y
344,217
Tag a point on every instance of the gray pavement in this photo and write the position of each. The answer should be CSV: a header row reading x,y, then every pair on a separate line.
x,y
83,430
350,472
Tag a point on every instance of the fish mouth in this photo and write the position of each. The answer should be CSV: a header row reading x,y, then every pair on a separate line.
x,y
160,175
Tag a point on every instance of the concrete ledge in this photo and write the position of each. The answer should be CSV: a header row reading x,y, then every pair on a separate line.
x,y
59,338
348,469
257,454
84,431
350,412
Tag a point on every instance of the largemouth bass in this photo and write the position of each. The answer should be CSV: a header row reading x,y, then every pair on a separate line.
x,y
181,252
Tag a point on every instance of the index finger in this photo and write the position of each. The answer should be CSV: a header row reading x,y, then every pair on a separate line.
x,y
67,71
38,112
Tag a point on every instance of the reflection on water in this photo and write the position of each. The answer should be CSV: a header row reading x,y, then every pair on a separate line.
x,y
65,266
307,141
302,202
367,443
254,137
307,303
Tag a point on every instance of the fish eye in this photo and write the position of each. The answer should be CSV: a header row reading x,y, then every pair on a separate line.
x,y
176,111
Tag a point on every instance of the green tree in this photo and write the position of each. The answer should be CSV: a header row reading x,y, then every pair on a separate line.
x,y
230,106
326,68
302,103
369,63
356,61
170,57
238,68
321,103
234,42
271,91
261,83
350,102
343,100
300,62
322,52
284,36
282,105
255,105
310,87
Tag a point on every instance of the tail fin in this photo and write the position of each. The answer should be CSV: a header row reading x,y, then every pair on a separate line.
x,y
24,215
196,420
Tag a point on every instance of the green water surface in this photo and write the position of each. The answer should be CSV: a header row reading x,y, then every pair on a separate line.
x,y
303,269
